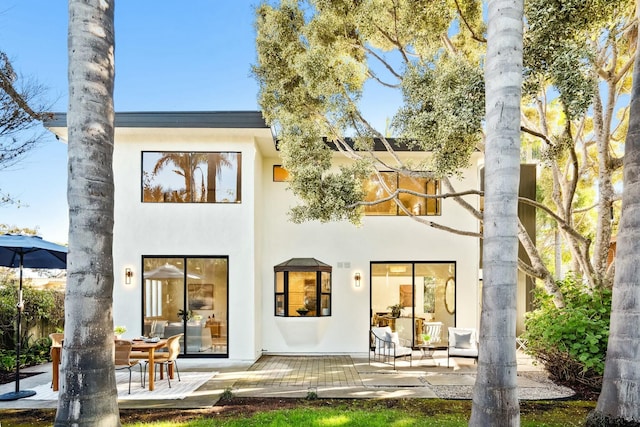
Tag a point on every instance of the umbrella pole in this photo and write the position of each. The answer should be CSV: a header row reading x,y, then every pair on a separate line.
x,y
24,393
18,328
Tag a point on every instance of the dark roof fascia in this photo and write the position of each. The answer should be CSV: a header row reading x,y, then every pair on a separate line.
x,y
395,143
179,119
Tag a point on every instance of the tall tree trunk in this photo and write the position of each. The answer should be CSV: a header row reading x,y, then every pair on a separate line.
x,y
495,396
620,395
88,394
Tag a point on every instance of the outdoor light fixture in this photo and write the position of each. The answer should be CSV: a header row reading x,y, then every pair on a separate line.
x,y
128,274
357,279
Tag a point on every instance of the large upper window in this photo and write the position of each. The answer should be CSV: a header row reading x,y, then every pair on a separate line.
x,y
376,188
191,177
302,288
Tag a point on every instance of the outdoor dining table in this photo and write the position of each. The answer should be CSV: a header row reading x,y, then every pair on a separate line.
x,y
148,348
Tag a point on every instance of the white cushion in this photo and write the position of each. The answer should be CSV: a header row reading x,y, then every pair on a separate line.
x,y
456,331
462,339
393,337
381,335
463,352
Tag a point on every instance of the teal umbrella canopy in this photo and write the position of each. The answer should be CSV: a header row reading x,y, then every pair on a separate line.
x,y
20,251
17,250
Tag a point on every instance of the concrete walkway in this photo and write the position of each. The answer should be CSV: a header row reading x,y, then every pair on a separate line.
x,y
328,376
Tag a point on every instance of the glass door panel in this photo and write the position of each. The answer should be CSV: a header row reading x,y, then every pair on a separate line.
x,y
409,296
207,304
191,301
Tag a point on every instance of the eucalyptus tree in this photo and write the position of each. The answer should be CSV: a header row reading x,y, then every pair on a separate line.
x,y
575,112
495,397
313,77
619,400
88,394
313,64
315,59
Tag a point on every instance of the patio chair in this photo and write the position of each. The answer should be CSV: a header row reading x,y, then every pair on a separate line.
x,y
164,360
56,347
123,359
386,346
463,342
433,330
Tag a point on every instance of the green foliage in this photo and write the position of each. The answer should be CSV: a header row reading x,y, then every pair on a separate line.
x,y
42,306
227,394
427,118
315,60
560,46
572,341
35,353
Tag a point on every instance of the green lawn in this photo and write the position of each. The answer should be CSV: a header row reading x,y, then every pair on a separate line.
x,y
385,413
326,413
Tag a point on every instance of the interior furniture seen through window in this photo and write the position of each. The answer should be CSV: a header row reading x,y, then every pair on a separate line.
x,y
422,292
191,177
302,288
379,187
187,295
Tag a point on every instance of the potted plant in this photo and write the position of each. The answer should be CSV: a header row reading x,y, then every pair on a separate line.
x,y
395,310
184,314
119,330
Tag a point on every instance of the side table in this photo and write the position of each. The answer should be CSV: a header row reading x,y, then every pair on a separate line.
x,y
427,350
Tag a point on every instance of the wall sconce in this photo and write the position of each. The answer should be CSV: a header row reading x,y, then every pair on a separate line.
x,y
128,274
356,278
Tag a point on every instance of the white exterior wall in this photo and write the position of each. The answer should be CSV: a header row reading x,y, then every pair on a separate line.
x,y
197,229
389,238
256,235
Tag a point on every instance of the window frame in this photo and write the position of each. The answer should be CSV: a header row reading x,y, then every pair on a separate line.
x,y
323,291
144,178
393,180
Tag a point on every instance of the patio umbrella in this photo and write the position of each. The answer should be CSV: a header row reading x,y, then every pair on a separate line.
x,y
27,252
168,271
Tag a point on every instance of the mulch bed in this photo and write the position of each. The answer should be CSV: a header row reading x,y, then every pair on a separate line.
x,y
9,377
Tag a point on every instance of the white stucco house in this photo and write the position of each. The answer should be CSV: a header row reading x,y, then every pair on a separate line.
x,y
203,246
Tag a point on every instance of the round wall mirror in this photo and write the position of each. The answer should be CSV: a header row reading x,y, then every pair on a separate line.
x,y
450,295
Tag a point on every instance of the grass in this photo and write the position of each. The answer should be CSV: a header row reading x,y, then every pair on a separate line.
x,y
328,413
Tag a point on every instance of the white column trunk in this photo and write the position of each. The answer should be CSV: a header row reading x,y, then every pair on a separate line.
x,y
495,398
88,395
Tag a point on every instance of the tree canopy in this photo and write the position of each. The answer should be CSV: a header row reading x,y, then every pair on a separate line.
x,y
318,60
21,109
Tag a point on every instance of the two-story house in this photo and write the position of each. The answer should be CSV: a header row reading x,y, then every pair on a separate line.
x,y
203,246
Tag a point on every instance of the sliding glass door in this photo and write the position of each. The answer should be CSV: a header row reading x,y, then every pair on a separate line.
x,y
187,295
409,296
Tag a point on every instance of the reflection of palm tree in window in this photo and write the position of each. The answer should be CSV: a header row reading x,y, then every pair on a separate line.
x,y
215,163
152,193
186,164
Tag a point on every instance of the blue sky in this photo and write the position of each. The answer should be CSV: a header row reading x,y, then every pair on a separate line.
x,y
170,56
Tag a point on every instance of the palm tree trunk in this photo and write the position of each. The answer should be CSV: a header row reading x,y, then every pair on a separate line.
x,y
88,395
495,397
620,395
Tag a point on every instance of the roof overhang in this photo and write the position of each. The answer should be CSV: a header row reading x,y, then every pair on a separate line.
x,y
235,122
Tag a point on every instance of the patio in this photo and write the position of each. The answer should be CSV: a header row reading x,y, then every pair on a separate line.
x,y
330,376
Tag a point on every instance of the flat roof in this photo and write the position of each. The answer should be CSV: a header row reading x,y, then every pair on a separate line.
x,y
178,119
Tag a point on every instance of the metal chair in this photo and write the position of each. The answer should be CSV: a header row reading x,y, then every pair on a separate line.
x,y
123,359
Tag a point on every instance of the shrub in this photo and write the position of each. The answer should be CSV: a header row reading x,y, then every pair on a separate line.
x,y
42,307
571,342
